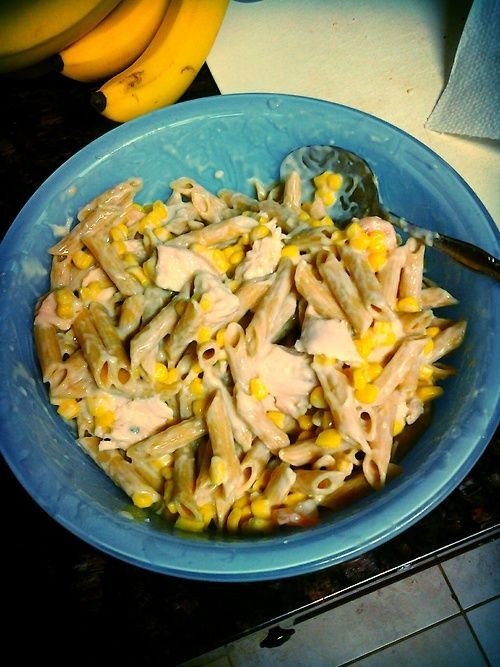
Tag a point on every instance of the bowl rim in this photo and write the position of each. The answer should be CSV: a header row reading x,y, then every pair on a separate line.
x,y
310,550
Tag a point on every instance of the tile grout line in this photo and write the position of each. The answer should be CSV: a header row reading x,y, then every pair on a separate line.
x,y
464,615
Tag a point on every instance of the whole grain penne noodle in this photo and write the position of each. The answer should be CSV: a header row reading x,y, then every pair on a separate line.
x,y
292,190
447,341
112,342
376,461
111,263
204,486
316,293
121,472
236,349
184,333
301,453
416,322
281,481
149,473
253,412
354,488
242,434
130,316
405,357
155,299
101,362
389,275
249,294
316,483
160,445
209,354
208,206
223,446
77,382
345,292
284,320
84,421
268,311
436,297
153,333
367,284
184,477
218,232
49,352
410,284
115,197
60,274
339,396
253,464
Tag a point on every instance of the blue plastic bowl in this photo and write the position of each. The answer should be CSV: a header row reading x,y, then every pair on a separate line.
x,y
245,136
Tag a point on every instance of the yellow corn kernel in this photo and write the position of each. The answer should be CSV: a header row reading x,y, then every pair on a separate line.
x,y
65,312
245,239
373,370
172,507
64,297
167,471
305,435
305,422
408,304
377,260
425,372
196,368
105,420
129,259
429,392
161,373
119,232
365,345
261,508
242,501
142,499
233,285
359,379
323,360
219,337
368,394
199,407
306,206
206,302
293,498
69,408
432,332
290,251
138,207
429,346
261,481
196,388
203,336
330,438
82,259
180,307
220,260
320,181
233,520
120,247
326,196
326,221
259,232
317,398
343,464
257,525
139,275
91,292
397,427
237,257
313,222
353,230
258,389
334,181
189,525
277,417
303,216
163,234
217,470
149,268
378,242
360,242
326,420
337,236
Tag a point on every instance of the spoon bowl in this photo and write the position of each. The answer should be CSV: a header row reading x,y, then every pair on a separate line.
x,y
358,197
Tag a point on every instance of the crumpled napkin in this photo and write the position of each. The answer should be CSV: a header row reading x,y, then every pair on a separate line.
x,y
470,103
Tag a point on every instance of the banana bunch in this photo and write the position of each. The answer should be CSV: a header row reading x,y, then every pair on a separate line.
x,y
168,65
33,30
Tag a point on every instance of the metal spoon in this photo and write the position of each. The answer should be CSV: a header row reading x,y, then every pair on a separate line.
x,y
359,197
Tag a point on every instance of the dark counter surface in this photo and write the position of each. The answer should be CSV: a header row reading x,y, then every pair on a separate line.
x,y
65,598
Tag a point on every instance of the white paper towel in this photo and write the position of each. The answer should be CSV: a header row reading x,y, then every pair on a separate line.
x,y
470,103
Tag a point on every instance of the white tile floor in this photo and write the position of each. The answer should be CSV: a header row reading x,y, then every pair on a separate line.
x,y
445,616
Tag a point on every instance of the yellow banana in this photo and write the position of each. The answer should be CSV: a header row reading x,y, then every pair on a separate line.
x,y
32,30
115,42
164,71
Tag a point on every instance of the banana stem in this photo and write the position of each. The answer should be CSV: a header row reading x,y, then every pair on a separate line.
x,y
98,101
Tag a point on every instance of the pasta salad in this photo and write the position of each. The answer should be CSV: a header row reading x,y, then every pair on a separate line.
x,y
237,362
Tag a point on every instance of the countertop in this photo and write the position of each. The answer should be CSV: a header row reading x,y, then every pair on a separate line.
x,y
71,600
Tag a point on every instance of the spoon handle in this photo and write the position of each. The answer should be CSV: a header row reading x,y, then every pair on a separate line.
x,y
469,255
465,253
